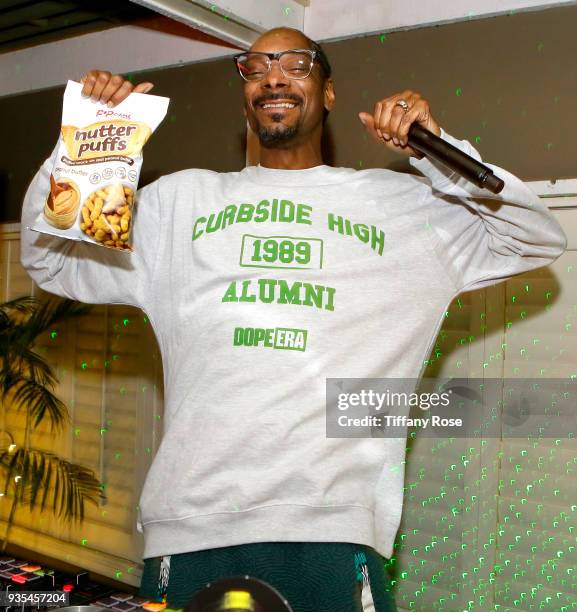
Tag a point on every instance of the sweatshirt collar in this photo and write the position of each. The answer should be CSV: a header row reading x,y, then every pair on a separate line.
x,y
317,175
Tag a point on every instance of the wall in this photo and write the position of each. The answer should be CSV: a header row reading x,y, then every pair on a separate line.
x,y
157,41
507,84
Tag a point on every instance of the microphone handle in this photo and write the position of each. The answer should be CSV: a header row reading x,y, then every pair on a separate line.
x,y
432,146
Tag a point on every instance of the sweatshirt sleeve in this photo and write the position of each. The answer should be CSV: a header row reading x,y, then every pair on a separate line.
x,y
85,272
482,238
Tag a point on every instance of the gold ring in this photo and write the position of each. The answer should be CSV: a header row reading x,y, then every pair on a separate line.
x,y
403,105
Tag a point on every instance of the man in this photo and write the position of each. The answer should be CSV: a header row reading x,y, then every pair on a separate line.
x,y
260,285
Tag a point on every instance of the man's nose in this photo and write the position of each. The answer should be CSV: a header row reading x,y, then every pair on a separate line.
x,y
275,76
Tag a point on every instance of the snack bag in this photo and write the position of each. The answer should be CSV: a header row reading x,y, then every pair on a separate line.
x,y
95,176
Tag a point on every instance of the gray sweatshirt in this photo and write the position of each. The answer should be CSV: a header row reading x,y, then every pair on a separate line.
x,y
260,285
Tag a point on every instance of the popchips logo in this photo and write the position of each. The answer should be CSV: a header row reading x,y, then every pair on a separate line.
x,y
110,114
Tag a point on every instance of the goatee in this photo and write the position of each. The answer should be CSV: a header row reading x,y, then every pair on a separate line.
x,y
271,137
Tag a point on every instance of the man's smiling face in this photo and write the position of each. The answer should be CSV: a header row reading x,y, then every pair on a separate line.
x,y
285,127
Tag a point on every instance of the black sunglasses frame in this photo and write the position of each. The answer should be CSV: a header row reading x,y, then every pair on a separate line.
x,y
275,56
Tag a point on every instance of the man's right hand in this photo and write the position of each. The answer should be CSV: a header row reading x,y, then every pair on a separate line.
x,y
110,89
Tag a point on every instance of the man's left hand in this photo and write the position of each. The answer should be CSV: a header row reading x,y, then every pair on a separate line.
x,y
389,123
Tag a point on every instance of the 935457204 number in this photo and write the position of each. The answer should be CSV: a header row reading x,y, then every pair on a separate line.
x,y
33,598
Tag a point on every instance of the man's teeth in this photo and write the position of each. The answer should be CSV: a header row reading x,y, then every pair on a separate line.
x,y
282,105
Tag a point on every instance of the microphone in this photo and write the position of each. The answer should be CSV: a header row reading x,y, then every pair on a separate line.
x,y
431,145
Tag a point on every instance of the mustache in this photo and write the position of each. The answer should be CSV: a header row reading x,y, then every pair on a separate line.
x,y
275,97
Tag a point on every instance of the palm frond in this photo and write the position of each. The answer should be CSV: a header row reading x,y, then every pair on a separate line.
x,y
49,313
40,402
18,334
12,315
5,321
21,304
39,479
25,363
65,486
37,368
8,380
40,473
21,322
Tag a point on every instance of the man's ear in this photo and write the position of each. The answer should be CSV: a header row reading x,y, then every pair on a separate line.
x,y
244,111
329,91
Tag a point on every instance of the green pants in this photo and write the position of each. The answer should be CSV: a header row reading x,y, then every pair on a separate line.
x,y
312,576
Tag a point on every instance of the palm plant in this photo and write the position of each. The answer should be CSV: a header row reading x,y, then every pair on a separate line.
x,y
34,477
